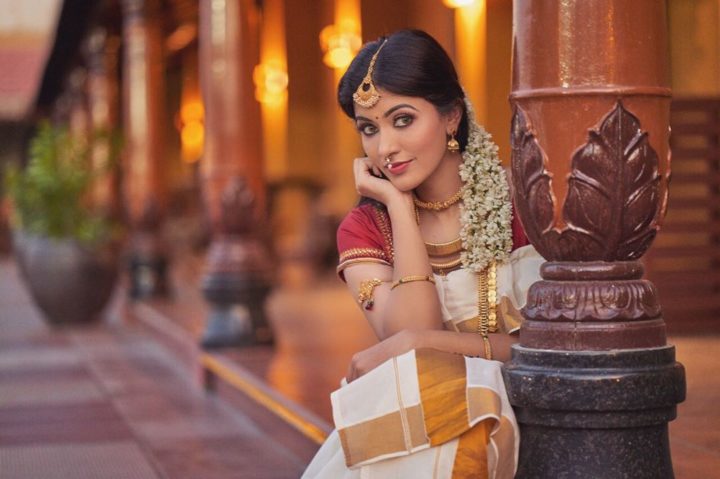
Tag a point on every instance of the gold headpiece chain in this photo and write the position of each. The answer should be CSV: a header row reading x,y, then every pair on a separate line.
x,y
366,94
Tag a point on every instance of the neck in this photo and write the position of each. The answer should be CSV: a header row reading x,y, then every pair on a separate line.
x,y
443,182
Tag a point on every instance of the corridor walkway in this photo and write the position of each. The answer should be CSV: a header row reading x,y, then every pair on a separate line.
x,y
117,401
109,402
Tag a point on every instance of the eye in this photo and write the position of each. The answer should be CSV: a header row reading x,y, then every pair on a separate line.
x,y
367,129
402,121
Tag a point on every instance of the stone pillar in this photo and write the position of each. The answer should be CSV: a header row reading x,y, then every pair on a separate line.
x,y
101,53
143,184
238,271
70,108
593,381
78,114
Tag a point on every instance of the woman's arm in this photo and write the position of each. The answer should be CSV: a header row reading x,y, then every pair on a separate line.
x,y
413,305
467,344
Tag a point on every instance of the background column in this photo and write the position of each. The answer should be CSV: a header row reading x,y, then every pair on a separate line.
x,y
238,271
101,51
143,97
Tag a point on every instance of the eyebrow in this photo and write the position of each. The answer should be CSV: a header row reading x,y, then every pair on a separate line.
x,y
397,107
389,112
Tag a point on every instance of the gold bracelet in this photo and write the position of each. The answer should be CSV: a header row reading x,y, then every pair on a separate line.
x,y
365,292
488,348
410,279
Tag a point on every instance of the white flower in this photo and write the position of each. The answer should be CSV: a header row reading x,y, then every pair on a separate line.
x,y
486,215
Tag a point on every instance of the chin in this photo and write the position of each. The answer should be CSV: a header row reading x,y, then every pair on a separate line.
x,y
406,183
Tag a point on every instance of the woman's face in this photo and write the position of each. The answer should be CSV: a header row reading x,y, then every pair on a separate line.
x,y
410,132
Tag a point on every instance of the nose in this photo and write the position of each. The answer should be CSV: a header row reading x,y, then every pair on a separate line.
x,y
387,144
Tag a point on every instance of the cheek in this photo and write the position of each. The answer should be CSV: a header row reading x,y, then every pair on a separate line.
x,y
429,141
368,146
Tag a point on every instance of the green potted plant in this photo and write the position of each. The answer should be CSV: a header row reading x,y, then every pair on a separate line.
x,y
66,250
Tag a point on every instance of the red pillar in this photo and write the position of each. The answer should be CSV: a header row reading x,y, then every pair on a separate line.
x,y
593,379
143,184
238,270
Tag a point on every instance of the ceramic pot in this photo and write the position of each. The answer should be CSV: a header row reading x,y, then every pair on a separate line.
x,y
70,282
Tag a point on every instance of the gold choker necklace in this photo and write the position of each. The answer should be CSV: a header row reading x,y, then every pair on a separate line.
x,y
439,205
444,249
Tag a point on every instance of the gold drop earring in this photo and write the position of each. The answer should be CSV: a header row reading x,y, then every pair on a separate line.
x,y
452,145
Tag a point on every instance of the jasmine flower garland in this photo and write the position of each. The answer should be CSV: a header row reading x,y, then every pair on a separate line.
x,y
486,212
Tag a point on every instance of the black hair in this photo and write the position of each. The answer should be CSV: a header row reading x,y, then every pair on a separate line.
x,y
411,63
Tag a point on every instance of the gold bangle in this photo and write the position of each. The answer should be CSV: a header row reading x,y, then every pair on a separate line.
x,y
410,279
365,292
488,348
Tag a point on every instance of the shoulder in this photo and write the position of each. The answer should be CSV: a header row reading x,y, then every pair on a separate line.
x,y
365,235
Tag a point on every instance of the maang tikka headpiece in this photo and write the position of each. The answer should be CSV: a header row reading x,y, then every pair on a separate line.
x,y
366,94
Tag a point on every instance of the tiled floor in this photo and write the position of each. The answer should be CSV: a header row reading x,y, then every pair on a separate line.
x,y
103,397
108,402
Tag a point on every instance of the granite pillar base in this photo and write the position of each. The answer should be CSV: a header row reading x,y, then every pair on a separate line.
x,y
630,453
594,414
237,316
148,276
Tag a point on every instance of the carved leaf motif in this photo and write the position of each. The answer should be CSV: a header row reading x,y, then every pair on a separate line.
x,y
634,300
613,191
531,183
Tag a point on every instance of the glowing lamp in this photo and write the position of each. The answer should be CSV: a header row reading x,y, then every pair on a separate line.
x,y
190,122
340,46
458,3
271,82
192,134
191,111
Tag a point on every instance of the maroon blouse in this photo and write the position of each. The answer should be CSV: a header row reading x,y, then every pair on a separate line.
x,y
365,235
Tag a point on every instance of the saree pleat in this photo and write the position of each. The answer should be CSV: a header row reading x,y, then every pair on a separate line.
x,y
471,461
441,377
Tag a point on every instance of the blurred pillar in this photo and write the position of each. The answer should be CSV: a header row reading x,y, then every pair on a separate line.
x,y
593,380
471,51
101,53
143,184
79,116
341,143
238,271
70,108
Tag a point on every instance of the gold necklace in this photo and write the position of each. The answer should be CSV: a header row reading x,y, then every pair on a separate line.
x,y
444,249
439,205
487,313
487,297
441,267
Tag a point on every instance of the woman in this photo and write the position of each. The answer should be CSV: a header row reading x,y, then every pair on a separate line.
x,y
439,268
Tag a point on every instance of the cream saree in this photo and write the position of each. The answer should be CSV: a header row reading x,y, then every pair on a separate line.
x,y
431,414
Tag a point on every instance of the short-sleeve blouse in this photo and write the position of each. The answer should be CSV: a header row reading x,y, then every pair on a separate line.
x,y
365,235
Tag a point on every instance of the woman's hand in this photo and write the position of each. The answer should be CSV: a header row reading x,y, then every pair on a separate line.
x,y
367,360
368,182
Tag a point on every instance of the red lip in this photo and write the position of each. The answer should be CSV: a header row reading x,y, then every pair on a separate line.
x,y
398,167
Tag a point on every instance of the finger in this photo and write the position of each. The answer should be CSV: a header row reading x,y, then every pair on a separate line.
x,y
358,169
368,163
